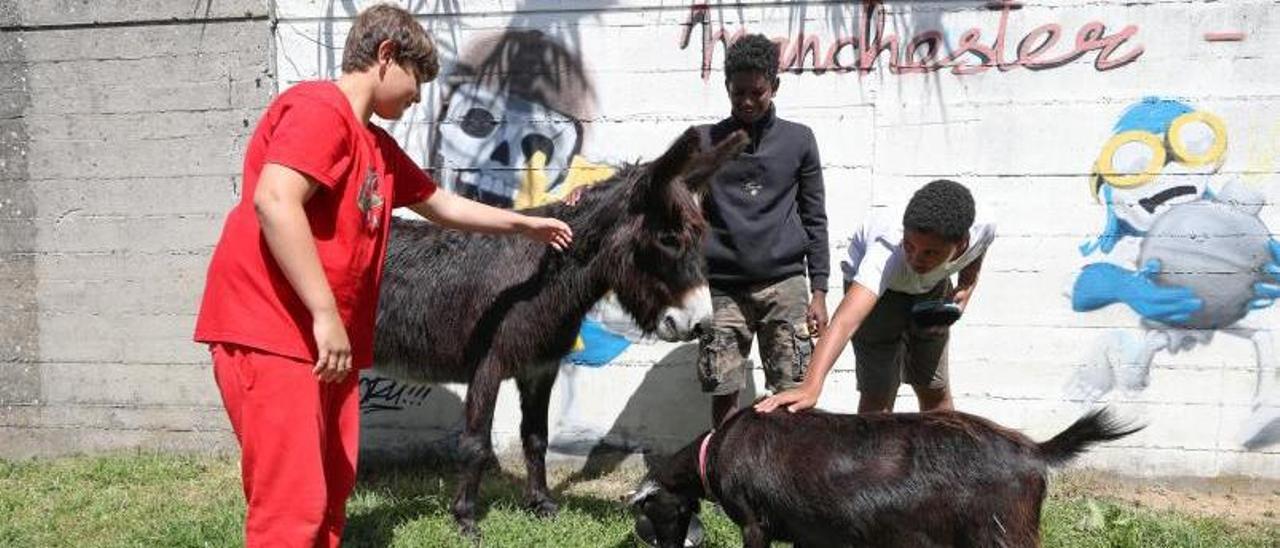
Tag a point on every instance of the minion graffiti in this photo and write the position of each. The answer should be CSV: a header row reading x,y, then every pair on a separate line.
x,y
1188,255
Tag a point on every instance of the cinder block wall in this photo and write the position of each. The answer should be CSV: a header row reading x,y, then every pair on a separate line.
x,y
1023,127
122,127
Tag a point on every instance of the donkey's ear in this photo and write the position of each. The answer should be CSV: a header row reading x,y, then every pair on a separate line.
x,y
673,161
704,165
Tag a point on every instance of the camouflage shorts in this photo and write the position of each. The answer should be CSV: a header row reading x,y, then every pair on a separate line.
x,y
775,310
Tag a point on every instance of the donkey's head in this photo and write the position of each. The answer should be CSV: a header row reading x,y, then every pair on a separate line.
x,y
655,256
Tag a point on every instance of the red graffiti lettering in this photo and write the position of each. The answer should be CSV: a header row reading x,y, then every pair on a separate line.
x,y
1029,50
928,62
833,55
923,52
1111,43
869,52
969,45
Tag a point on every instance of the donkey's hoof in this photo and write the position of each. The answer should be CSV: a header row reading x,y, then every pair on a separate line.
x,y
544,508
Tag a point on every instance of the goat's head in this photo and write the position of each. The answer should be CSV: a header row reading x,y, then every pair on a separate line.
x,y
664,518
655,259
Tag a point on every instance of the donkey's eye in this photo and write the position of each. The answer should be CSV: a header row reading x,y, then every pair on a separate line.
x,y
669,241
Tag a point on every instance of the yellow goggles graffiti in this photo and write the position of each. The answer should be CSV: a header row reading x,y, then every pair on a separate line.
x,y
1134,158
1198,139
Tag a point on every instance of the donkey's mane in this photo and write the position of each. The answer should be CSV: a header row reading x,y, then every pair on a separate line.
x,y
596,198
599,209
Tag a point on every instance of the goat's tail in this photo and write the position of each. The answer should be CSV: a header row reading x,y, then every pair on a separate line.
x,y
1097,426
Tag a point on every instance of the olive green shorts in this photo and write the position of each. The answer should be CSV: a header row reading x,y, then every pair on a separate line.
x,y
889,350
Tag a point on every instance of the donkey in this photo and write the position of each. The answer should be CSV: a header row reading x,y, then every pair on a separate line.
x,y
473,308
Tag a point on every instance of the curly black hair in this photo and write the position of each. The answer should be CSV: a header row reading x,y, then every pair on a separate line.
x,y
942,208
752,53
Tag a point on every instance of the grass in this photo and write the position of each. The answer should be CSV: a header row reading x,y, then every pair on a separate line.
x,y
165,500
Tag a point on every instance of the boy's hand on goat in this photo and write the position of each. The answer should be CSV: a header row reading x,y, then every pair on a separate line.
x,y
795,400
548,231
333,347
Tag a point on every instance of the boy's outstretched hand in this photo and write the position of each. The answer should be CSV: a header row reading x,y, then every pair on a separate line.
x,y
548,231
795,399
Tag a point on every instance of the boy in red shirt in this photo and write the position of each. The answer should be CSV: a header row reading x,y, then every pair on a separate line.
x,y
292,288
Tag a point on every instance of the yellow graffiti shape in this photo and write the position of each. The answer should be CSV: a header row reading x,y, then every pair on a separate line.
x,y
1136,147
1191,145
534,189
1263,153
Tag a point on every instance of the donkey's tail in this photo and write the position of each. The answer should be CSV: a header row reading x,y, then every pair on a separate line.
x,y
1097,426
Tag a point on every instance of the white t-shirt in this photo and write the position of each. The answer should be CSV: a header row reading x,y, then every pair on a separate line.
x,y
877,262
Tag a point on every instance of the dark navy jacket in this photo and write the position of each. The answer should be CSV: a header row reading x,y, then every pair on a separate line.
x,y
766,208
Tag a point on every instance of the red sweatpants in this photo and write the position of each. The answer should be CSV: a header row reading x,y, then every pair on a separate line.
x,y
298,444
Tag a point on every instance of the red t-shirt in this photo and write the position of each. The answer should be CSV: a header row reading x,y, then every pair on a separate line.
x,y
362,174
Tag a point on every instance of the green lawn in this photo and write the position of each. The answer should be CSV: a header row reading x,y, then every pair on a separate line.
x,y
163,500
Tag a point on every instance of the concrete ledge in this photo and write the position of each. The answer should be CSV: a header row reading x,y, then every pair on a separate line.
x,y
60,13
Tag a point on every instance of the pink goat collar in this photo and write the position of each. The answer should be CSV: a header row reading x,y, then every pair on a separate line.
x,y
702,465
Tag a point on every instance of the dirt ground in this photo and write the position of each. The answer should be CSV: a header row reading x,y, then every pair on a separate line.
x,y
1244,501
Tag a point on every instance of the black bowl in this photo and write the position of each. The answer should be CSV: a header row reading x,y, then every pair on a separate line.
x,y
692,539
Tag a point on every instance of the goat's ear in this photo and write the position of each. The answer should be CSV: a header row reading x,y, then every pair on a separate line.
x,y
673,161
644,491
703,166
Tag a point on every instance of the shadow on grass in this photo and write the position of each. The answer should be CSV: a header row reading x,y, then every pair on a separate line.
x,y
667,411
391,494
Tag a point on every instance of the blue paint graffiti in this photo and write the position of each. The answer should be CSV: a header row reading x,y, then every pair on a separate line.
x,y
1186,253
599,345
1152,114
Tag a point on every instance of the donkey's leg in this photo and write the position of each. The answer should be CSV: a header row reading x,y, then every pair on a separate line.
x,y
535,382
475,444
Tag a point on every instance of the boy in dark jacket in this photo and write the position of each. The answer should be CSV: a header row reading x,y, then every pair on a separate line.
x,y
768,228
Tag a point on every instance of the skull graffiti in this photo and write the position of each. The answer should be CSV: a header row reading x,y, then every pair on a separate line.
x,y
488,138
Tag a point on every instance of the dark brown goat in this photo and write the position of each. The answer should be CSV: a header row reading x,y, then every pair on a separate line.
x,y
940,479
477,309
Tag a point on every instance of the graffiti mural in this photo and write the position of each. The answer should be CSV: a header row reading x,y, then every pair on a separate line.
x,y
385,394
511,133
928,50
1182,247
1171,294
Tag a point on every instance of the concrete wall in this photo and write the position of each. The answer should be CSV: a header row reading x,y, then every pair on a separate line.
x,y
121,132
1023,128
107,259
